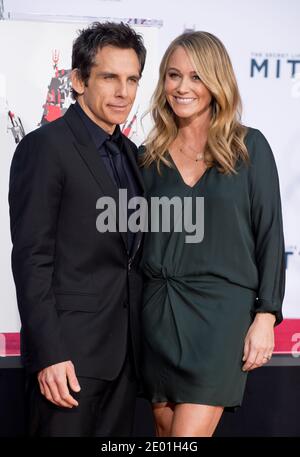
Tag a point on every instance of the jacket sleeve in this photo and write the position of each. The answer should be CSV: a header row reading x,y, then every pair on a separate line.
x,y
35,192
267,226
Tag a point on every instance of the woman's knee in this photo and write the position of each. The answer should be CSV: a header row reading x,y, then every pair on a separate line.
x,y
196,420
163,416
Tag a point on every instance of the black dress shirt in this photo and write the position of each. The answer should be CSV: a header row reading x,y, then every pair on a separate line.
x,y
99,137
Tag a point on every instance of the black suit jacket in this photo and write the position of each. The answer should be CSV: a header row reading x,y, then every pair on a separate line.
x,y
78,290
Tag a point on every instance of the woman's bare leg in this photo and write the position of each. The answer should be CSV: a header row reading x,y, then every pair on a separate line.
x,y
195,420
163,416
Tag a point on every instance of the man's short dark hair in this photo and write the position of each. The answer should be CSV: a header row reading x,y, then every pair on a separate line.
x,y
97,36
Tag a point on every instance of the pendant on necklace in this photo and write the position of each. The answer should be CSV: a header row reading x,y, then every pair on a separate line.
x,y
199,157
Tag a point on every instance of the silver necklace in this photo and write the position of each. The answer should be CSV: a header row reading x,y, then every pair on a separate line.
x,y
199,155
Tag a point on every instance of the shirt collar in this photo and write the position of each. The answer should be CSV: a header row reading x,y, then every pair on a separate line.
x,y
98,135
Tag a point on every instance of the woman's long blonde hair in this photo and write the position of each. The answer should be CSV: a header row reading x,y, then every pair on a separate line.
x,y
225,142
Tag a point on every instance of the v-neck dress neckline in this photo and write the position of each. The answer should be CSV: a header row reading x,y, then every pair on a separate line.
x,y
181,177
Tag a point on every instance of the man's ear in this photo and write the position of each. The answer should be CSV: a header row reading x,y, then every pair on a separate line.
x,y
77,82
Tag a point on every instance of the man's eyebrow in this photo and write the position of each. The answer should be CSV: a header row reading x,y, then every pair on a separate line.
x,y
137,76
108,73
105,73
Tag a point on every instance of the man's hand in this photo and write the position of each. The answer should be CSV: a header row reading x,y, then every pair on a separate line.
x,y
259,342
54,381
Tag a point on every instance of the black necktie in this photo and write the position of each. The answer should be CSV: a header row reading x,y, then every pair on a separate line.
x,y
115,158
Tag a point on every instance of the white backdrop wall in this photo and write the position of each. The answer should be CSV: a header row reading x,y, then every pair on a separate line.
x,y
24,85
262,33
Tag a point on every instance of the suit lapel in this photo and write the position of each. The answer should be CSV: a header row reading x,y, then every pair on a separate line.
x,y
133,161
89,154
136,171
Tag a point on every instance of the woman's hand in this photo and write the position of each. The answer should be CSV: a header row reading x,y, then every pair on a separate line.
x,y
259,342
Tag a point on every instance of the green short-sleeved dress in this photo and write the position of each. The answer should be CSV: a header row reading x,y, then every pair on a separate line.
x,y
200,298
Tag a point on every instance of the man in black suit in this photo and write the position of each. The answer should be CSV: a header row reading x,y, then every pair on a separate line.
x,y
79,289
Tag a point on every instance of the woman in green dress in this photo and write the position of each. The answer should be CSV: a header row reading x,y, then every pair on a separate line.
x,y
209,305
